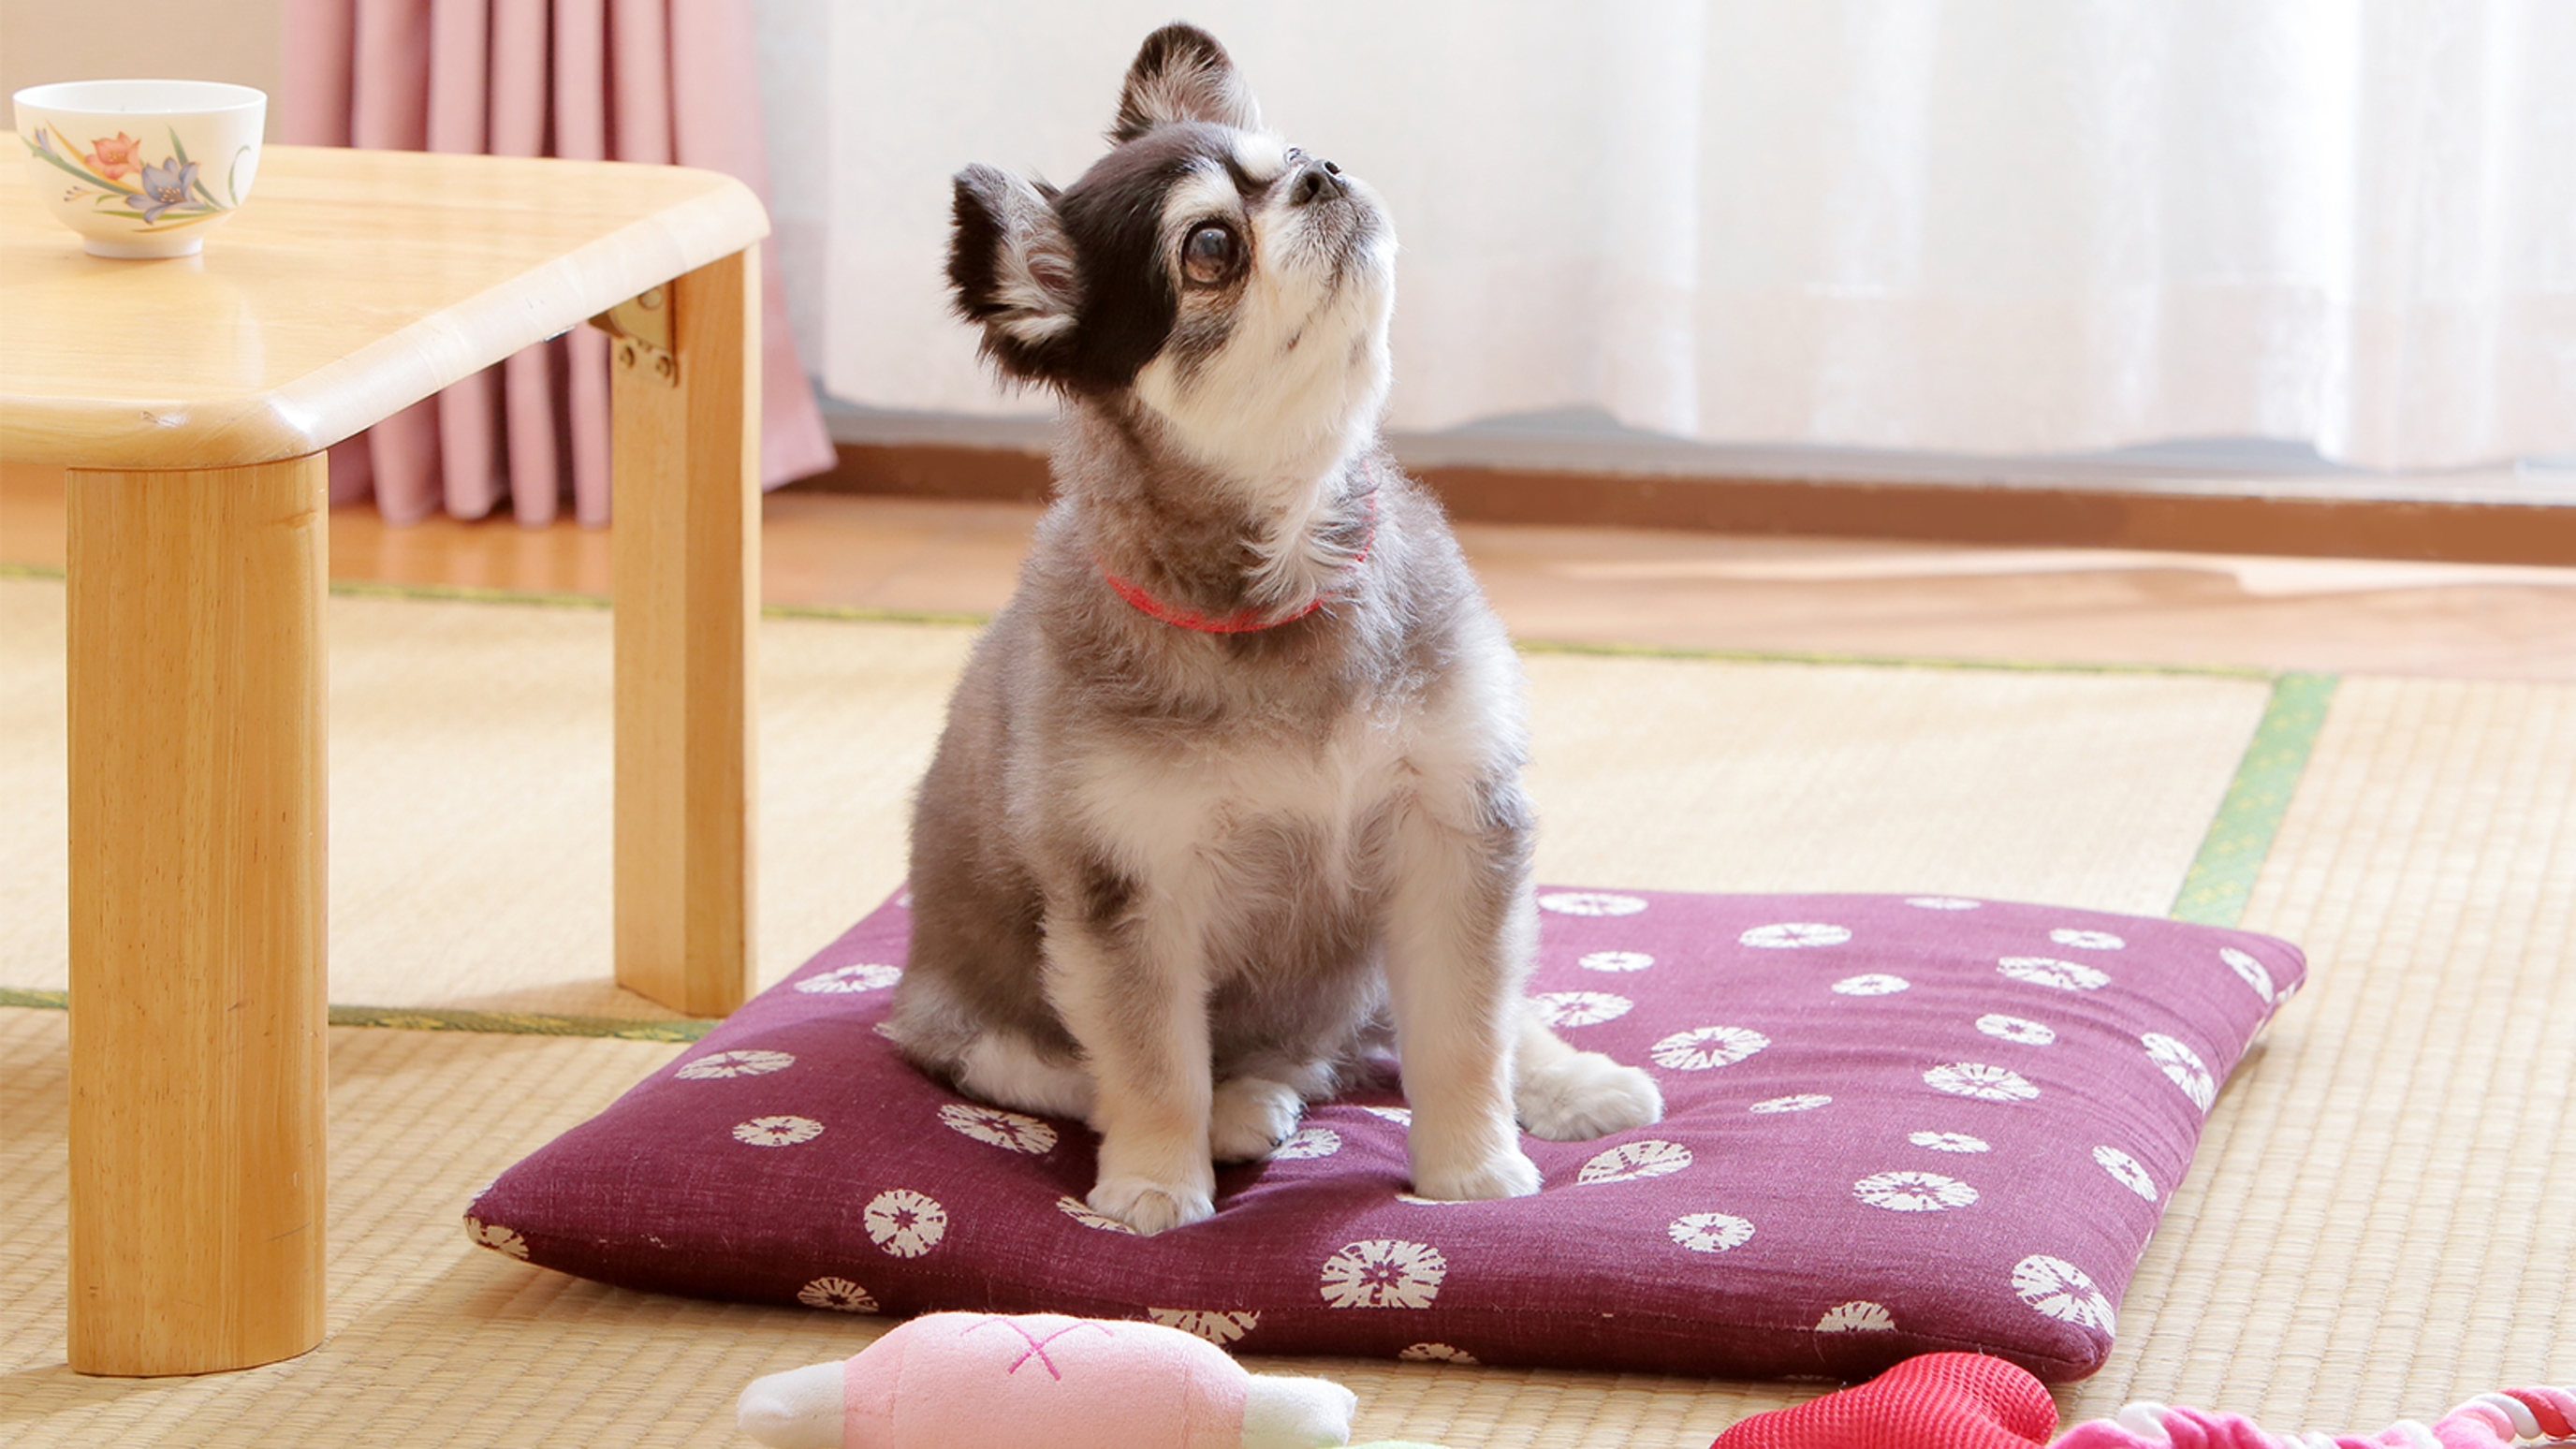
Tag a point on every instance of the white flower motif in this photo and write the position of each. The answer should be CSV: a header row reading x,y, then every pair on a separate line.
x,y
1436,1353
1984,1083
1913,1192
1384,1273
1307,1142
1949,1142
1080,1211
1581,1008
1876,983
1219,1328
734,1064
853,978
2086,940
1803,1102
1792,935
1704,1047
2250,971
1942,903
1858,1316
2183,1067
777,1131
1710,1232
2061,1290
2131,1173
1590,903
838,1294
2016,1029
904,1222
1400,1116
1002,1129
2045,971
496,1237
1616,961
1631,1161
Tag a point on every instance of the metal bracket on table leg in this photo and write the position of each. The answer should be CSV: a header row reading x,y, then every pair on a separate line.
x,y
642,326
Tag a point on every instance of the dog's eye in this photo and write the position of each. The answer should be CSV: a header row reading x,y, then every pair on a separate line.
x,y
1208,256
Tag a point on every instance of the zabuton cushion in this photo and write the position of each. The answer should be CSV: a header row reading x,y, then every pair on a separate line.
x,y
1893,1125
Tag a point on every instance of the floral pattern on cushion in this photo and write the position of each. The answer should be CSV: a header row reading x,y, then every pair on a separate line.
x,y
1893,1125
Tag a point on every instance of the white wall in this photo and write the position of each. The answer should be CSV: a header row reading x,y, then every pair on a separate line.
x,y
218,40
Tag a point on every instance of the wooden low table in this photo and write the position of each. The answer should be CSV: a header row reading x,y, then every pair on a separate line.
x,y
191,401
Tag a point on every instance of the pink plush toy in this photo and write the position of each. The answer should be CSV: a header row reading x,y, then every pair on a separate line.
x,y
967,1380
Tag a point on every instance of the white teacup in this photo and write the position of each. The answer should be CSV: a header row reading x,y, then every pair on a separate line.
x,y
142,168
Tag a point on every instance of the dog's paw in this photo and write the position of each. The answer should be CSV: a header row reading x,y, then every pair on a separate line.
x,y
1249,1117
1151,1207
1507,1173
1586,1095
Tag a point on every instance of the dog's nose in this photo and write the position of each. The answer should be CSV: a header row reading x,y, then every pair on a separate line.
x,y
1320,180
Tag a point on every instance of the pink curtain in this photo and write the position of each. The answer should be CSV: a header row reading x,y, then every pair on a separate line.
x,y
657,81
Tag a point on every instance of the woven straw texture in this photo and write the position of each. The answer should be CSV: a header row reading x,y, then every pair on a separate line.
x,y
470,782
2382,1219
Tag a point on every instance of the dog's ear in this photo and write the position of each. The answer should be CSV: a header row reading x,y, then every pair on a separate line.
x,y
1182,74
1014,272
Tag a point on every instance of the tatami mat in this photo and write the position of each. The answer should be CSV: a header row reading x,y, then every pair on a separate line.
x,y
2382,1218
2081,788
470,794
470,786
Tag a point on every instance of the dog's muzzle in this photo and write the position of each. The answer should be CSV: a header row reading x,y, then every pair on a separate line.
x,y
1319,181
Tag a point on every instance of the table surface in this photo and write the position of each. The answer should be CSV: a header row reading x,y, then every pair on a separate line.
x,y
350,285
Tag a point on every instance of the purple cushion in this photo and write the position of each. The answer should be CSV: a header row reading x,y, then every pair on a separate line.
x,y
1893,1125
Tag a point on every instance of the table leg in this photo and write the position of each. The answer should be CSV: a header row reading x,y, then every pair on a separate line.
x,y
197,824
685,549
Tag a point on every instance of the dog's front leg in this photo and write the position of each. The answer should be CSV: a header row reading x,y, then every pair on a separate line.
x,y
1134,998
1459,933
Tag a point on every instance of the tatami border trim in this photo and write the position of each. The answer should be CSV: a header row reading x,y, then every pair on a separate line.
x,y
2240,839
525,1023
418,1018
1886,661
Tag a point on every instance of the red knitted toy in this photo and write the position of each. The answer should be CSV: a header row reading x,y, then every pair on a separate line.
x,y
1970,1401
1937,1401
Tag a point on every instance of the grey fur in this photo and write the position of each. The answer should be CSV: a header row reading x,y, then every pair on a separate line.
x,y
1068,666
1151,863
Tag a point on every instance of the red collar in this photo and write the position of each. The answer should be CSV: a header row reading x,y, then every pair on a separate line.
x,y
1241,621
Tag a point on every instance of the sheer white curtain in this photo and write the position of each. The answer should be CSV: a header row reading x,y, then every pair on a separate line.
x,y
1985,226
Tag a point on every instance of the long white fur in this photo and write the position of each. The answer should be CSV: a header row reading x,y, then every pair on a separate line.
x,y
1038,278
1005,1069
1164,819
1298,387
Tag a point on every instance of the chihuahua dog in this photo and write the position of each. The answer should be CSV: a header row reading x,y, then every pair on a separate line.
x,y
1228,802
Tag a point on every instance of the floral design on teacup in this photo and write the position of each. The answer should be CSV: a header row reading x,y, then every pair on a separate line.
x,y
170,188
112,156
